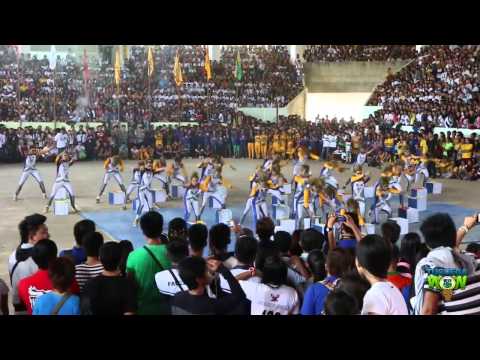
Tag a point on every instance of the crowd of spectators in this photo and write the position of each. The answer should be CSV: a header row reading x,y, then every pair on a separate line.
x,y
450,153
342,53
441,86
192,271
27,91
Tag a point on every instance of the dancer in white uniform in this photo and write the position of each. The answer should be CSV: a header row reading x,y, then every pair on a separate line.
x,y
257,201
191,200
145,192
29,169
161,174
113,166
214,188
136,179
63,162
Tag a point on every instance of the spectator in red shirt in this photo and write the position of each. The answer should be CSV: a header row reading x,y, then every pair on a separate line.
x,y
32,287
402,280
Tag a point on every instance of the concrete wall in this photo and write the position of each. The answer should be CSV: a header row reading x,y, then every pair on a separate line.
x,y
347,77
297,105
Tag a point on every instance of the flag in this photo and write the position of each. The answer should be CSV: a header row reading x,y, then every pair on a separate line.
x,y
117,67
52,58
177,71
238,68
208,67
151,65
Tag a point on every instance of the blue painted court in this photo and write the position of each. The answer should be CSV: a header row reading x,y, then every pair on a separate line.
x,y
118,223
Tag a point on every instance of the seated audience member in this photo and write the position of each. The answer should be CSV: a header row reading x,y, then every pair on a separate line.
x,y
110,293
33,286
272,296
92,242
441,237
169,281
219,239
197,238
143,263
197,273
177,228
20,263
59,301
4,290
373,257
339,302
77,253
127,248
328,273
354,285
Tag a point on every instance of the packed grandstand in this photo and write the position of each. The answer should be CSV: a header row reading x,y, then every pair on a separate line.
x,y
307,271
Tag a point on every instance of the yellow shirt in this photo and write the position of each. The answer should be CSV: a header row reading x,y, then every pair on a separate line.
x,y
388,142
263,140
257,139
424,146
467,151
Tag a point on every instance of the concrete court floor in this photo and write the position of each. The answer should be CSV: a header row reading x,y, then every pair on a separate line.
x,y
86,178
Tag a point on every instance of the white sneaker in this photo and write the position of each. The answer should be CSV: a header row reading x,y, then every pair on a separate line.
x,y
46,209
45,196
98,199
15,197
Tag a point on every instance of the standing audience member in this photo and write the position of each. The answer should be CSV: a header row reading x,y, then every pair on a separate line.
x,y
143,263
92,243
169,281
20,263
59,301
30,288
219,239
197,274
197,238
272,296
4,298
77,253
127,248
374,255
441,237
110,293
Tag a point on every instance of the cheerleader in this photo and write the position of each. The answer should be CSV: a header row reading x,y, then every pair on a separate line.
x,y
178,171
275,184
113,166
383,194
257,201
307,200
421,173
161,172
400,182
136,179
214,188
144,191
300,181
29,169
63,162
358,181
191,200
329,198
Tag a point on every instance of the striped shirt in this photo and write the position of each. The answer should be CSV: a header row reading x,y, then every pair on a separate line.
x,y
84,272
464,301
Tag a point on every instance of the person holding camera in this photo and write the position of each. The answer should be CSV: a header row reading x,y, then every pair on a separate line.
x,y
348,230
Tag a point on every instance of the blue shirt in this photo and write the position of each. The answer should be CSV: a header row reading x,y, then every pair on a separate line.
x,y
45,304
315,297
78,254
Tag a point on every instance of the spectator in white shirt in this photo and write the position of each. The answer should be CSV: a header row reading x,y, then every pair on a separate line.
x,y
373,257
